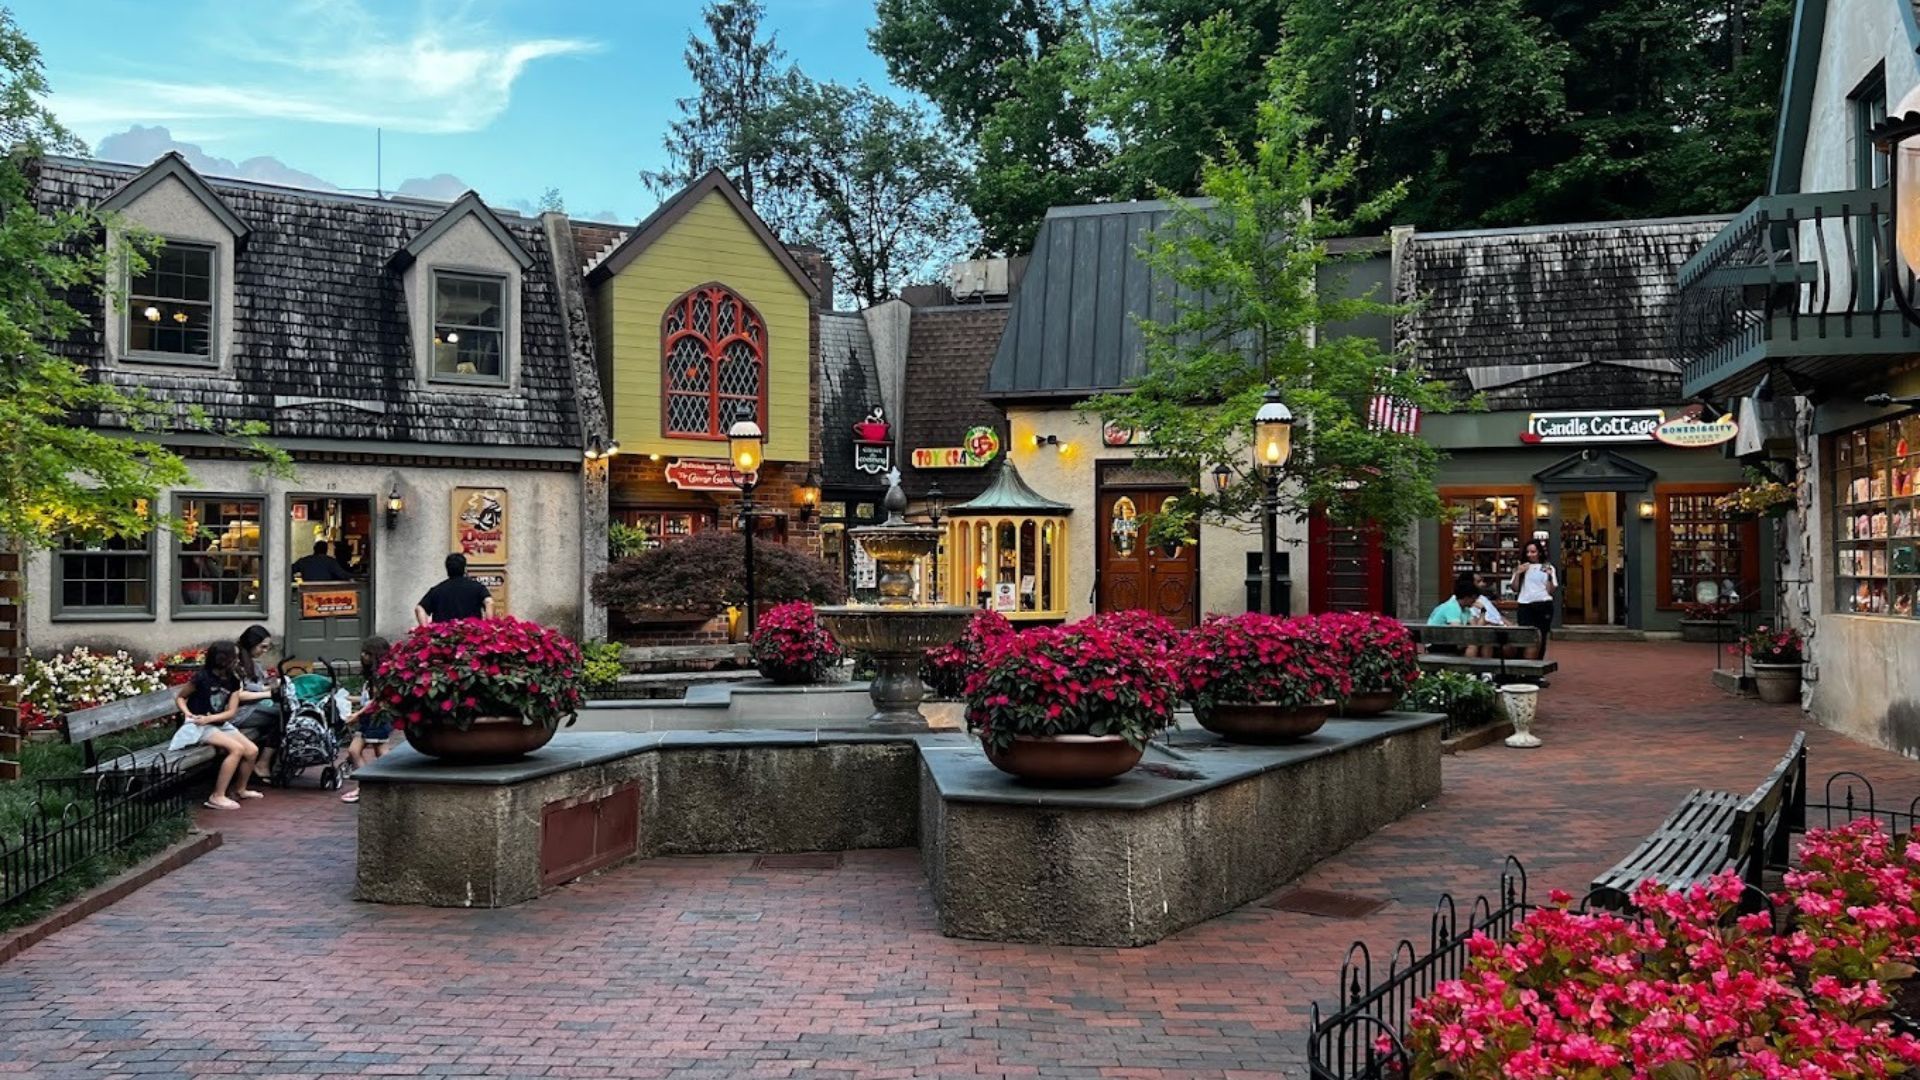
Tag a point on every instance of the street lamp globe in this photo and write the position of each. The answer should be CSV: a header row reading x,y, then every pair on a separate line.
x,y
1272,433
744,444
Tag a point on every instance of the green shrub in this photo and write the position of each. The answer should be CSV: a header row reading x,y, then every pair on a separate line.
x,y
625,541
601,664
1468,700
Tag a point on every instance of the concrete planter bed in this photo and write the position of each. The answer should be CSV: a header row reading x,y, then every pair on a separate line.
x,y
1199,828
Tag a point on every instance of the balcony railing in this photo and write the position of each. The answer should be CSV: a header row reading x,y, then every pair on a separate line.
x,y
1798,281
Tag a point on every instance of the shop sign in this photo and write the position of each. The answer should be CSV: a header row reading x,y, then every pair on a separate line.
x,y
704,474
495,579
874,429
1112,433
872,458
866,574
1004,597
1691,431
982,446
1621,425
480,524
329,603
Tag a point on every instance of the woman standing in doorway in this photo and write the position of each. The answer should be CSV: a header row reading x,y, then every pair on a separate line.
x,y
1535,582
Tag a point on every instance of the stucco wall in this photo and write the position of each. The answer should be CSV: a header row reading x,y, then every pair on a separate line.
x,y
466,247
1869,680
543,523
1068,474
1859,34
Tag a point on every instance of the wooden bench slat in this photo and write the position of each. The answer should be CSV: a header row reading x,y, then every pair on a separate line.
x,y
1442,634
86,724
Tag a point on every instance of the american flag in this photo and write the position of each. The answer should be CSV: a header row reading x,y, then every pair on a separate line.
x,y
1388,412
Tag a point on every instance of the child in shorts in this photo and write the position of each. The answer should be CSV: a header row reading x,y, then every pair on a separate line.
x,y
371,731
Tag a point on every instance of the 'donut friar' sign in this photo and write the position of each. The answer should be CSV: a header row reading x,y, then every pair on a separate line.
x,y
1607,425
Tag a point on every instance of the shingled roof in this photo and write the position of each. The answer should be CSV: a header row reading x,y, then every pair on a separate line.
x,y
849,389
948,352
1552,317
321,343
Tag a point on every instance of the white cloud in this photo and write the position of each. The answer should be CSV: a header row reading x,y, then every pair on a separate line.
x,y
332,62
139,145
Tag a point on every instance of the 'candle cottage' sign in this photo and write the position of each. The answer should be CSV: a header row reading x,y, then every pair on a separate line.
x,y
1622,425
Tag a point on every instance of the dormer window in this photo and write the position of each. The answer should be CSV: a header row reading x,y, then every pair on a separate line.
x,y
170,306
469,327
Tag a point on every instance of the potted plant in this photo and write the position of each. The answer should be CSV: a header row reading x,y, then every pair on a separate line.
x,y
1775,653
1069,705
480,690
1153,631
1255,678
790,646
1380,657
946,669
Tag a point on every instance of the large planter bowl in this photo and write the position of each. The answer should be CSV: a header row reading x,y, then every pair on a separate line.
x,y
1777,684
1064,760
1264,723
490,739
1370,704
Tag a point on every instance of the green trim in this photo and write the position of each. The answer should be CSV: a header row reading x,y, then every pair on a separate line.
x,y
178,608
1796,94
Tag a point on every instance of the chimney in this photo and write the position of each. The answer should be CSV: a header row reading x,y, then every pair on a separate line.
x,y
818,267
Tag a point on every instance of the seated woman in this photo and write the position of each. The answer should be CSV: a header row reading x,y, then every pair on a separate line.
x,y
207,704
259,715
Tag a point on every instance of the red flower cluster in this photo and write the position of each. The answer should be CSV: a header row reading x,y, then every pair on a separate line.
x,y
1773,645
791,647
456,672
1152,630
1244,659
1072,680
947,668
1378,652
1682,988
34,718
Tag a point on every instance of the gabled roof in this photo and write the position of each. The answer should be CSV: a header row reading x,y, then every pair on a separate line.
x,y
849,390
662,220
948,351
1595,469
1804,44
1008,494
171,166
466,206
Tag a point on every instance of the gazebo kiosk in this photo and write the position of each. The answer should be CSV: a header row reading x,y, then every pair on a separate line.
x,y
1007,551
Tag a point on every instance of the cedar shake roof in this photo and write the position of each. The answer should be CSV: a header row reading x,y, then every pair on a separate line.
x,y
949,350
321,336
1552,317
849,389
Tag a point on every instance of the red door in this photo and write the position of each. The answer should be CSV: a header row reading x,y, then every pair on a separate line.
x,y
1137,575
1346,567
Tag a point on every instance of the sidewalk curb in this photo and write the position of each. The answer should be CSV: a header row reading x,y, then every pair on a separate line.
x,y
1477,738
104,896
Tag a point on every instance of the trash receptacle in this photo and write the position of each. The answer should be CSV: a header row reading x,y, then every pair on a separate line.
x,y
1282,583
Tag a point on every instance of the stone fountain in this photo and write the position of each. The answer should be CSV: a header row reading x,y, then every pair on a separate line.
x,y
896,632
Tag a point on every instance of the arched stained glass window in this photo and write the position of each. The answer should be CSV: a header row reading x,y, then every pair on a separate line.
x,y
713,364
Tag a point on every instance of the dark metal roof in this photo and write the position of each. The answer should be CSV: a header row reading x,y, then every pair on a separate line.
x,y
321,338
1008,494
1547,317
948,352
849,390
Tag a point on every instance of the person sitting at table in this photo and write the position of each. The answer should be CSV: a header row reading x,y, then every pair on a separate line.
x,y
1466,607
320,566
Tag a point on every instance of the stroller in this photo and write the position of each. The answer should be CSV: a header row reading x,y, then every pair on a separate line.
x,y
312,726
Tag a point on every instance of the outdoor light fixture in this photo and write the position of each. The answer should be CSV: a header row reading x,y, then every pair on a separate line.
x,y
936,503
1272,446
1542,510
1222,477
1646,509
745,443
808,494
1045,440
1892,137
598,449
395,504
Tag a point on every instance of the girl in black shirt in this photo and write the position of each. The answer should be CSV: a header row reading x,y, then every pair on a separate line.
x,y
207,705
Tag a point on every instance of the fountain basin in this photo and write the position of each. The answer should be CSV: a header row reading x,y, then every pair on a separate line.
x,y
897,636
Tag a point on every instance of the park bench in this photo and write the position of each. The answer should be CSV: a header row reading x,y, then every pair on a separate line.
x,y
101,721
1711,831
1500,639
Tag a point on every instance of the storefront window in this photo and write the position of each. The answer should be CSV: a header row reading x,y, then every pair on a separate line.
x,y
1705,554
105,576
1016,566
1876,539
664,526
217,556
1485,534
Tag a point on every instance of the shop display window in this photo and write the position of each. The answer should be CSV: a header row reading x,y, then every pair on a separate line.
x,y
1485,533
1706,554
1016,566
664,526
1876,517
217,556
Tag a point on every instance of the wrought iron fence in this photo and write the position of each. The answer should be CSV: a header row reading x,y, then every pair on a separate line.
x,y
1362,1038
83,816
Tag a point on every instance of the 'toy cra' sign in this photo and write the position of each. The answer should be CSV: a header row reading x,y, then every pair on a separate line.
x,y
1621,425
1692,432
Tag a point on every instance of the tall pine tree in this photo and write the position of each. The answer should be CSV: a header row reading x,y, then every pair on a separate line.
x,y
737,76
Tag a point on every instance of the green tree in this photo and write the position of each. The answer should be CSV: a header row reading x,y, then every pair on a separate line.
x,y
1242,272
966,55
737,76
58,475
1036,149
551,201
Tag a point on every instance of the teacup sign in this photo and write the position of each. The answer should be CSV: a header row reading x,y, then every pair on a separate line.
x,y
1691,432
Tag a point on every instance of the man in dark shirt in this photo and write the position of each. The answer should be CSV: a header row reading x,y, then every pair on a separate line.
x,y
320,566
458,597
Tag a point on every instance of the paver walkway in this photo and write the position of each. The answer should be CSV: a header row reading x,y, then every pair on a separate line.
x,y
254,961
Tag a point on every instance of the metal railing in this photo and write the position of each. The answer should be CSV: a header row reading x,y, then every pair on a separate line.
x,y
1791,268
80,817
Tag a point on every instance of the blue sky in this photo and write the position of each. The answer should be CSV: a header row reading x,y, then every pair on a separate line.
x,y
507,97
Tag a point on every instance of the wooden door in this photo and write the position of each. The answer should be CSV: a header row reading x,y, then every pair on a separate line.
x,y
1346,566
1136,575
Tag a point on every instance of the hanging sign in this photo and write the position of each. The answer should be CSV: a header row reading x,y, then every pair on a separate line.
x,y
495,579
704,474
1691,431
480,524
329,603
874,429
1619,425
873,459
1113,434
982,446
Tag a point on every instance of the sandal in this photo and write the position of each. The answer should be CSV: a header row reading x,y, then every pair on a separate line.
x,y
351,796
248,795
219,803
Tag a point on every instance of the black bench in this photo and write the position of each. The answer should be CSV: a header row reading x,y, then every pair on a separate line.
x,y
1498,638
1711,831
86,725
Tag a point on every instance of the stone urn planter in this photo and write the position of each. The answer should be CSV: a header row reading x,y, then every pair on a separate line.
x,y
1706,631
1264,723
1064,760
1777,684
1369,704
1520,701
489,740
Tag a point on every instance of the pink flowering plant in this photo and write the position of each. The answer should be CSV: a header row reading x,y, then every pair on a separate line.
x,y
1154,631
1255,658
1856,904
790,646
454,673
1073,680
1378,652
1772,645
947,668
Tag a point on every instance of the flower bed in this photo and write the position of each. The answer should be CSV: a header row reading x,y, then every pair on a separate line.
x,y
946,669
50,688
1469,701
791,647
1082,679
1255,658
454,673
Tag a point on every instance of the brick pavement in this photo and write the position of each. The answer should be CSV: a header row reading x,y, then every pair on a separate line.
x,y
255,962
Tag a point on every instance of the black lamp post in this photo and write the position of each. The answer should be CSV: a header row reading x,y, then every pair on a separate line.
x,y
744,443
1272,446
937,514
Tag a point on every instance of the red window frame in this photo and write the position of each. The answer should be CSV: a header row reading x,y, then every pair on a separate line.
x,y
678,325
